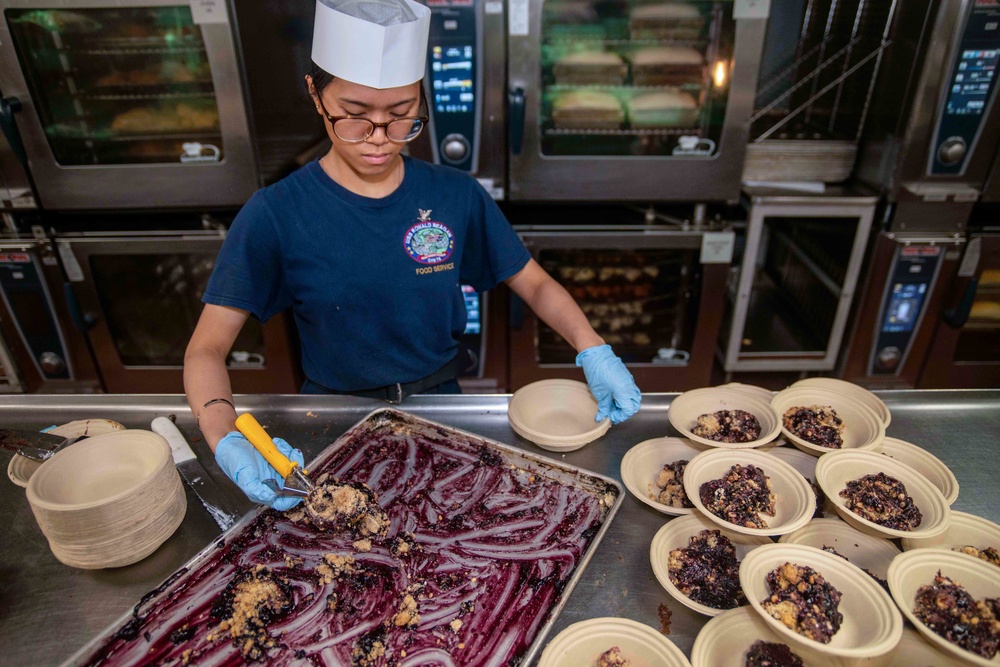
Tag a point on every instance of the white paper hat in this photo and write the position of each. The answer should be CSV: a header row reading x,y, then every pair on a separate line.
x,y
377,43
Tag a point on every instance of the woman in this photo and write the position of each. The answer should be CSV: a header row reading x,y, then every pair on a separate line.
x,y
369,249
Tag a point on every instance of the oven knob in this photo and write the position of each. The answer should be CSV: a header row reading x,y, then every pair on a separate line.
x,y
951,151
51,363
455,148
888,358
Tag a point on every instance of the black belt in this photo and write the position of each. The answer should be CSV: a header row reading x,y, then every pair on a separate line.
x,y
395,393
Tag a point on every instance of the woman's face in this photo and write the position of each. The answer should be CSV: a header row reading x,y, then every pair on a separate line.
x,y
376,155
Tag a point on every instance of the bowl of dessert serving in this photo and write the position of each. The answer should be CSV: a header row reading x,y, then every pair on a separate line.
x,y
21,468
818,600
923,462
608,641
653,471
724,417
881,496
751,390
740,637
818,420
872,554
749,492
805,464
966,533
557,415
109,500
913,649
698,563
856,392
946,595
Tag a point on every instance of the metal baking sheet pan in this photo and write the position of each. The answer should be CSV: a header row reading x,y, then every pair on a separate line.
x,y
494,539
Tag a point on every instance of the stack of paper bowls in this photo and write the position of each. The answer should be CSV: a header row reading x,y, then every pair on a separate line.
x,y
108,501
557,415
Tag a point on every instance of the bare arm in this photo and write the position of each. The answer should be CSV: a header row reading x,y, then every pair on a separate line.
x,y
553,305
205,374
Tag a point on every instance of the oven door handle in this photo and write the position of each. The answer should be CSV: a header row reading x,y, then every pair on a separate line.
x,y
515,112
83,322
8,107
957,317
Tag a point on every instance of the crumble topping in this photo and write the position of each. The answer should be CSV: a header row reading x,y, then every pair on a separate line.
x,y
879,580
988,554
612,658
883,500
407,615
951,612
802,600
252,600
740,496
351,507
707,571
771,654
670,486
817,424
333,566
728,426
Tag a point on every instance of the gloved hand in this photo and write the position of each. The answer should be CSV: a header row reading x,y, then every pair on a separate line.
x,y
610,383
244,465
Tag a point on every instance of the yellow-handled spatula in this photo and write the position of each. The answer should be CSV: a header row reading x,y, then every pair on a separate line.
x,y
297,480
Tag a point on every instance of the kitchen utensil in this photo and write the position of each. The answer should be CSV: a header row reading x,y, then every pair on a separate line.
x,y
224,508
20,469
295,478
35,445
287,491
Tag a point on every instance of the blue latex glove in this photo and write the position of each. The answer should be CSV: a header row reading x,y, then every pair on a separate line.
x,y
610,383
244,465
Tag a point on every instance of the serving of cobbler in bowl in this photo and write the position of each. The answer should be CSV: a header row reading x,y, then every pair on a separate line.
x,y
819,421
724,417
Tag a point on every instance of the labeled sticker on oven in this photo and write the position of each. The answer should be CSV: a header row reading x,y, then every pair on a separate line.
x,y
195,151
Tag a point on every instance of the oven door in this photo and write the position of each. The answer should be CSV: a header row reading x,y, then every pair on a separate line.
x,y
965,350
645,291
142,297
117,95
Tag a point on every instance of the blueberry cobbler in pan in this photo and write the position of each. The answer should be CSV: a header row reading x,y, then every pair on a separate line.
x,y
740,496
771,654
668,489
951,612
883,500
817,424
802,600
707,571
731,426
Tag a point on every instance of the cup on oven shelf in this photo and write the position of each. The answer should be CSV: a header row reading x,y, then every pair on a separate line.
x,y
557,415
862,427
685,410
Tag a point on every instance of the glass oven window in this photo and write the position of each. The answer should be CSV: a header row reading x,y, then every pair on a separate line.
x,y
979,340
151,304
124,85
639,301
634,77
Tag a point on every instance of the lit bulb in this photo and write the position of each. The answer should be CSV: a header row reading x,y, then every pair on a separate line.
x,y
719,74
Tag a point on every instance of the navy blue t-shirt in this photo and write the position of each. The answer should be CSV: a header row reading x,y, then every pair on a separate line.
x,y
374,284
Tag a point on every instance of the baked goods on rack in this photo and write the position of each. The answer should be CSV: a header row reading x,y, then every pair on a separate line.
x,y
156,119
668,65
667,20
587,109
664,108
590,68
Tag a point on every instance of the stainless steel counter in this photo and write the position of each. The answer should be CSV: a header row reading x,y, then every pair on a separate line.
x,y
48,610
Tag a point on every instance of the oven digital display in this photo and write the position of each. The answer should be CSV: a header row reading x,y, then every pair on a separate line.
x,y
473,322
973,82
904,307
452,75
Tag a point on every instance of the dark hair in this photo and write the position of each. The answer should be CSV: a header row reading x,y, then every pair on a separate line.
x,y
321,78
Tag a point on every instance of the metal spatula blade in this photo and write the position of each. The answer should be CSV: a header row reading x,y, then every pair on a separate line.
x,y
34,445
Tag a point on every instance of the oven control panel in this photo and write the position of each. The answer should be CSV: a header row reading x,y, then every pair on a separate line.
x,y
971,90
27,300
914,273
453,83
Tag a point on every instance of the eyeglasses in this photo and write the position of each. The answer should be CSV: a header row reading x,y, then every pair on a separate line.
x,y
355,130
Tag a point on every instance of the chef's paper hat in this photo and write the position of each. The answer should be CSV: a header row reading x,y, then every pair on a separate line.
x,y
377,43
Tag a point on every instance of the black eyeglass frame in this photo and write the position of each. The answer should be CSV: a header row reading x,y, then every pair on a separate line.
x,y
424,119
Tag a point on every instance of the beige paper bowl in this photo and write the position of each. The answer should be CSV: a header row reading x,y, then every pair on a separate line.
x,y
794,503
641,465
913,569
856,392
582,643
686,408
964,530
862,427
871,625
109,500
725,640
805,464
871,553
751,390
675,535
914,651
834,471
20,469
557,415
923,462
